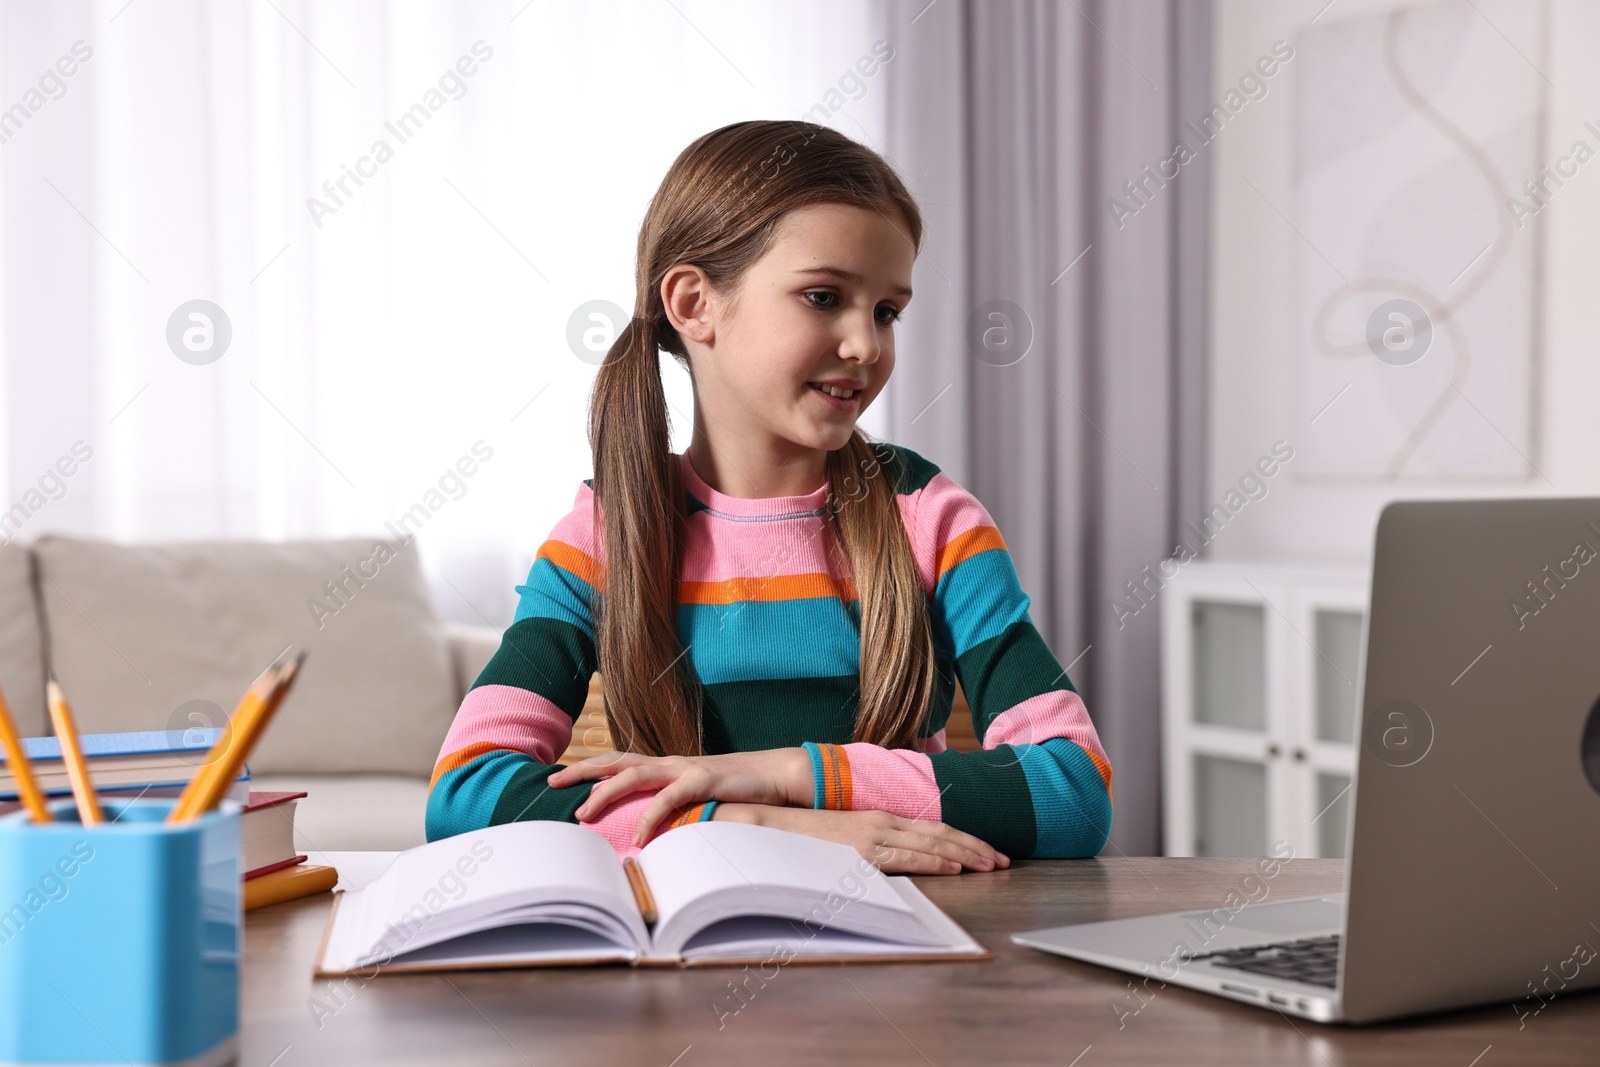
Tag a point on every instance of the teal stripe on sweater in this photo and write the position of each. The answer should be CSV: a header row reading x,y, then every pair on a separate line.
x,y
470,796
1070,803
754,640
552,592
977,599
818,776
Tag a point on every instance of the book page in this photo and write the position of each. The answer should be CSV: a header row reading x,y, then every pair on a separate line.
x,y
517,873
516,945
708,872
781,940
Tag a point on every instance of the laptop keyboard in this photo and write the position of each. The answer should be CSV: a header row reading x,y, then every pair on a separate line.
x,y
1313,960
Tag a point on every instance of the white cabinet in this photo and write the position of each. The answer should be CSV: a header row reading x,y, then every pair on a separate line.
x,y
1260,669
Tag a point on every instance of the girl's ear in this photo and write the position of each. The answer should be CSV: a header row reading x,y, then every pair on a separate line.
x,y
686,295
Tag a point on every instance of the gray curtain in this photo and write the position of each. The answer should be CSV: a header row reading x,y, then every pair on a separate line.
x,y
1053,359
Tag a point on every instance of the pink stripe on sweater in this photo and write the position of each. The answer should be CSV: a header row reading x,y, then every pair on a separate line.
x,y
902,781
718,549
576,526
1040,718
895,780
618,823
510,718
937,514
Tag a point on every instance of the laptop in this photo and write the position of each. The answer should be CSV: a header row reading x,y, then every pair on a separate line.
x,y
1474,831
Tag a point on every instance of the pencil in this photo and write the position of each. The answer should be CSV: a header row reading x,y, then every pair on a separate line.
x,y
641,890
249,705
21,769
228,755
77,770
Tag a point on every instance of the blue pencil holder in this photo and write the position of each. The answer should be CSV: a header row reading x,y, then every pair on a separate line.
x,y
119,943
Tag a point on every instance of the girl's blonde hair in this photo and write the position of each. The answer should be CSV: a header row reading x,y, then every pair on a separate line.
x,y
718,208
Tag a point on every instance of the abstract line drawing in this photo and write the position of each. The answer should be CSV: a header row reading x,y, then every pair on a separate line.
x,y
1413,128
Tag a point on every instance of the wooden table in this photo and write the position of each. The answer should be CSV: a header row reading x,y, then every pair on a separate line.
x,y
1023,1007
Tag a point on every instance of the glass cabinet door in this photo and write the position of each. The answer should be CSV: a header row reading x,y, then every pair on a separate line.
x,y
1338,644
1230,664
1230,806
1334,663
1229,690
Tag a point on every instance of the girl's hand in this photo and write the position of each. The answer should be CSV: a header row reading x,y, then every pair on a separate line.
x,y
779,777
893,844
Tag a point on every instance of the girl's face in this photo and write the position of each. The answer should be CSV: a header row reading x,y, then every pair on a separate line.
x,y
790,361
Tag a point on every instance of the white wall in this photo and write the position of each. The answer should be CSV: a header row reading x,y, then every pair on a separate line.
x,y
1254,321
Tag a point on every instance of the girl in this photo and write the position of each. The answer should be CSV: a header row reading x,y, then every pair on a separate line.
x,y
779,614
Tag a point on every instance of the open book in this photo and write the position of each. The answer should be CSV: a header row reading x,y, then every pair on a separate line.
x,y
544,893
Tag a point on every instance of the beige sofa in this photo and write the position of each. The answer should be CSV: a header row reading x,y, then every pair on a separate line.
x,y
167,636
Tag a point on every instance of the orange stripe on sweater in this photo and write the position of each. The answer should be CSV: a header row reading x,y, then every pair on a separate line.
x,y
835,778
460,758
775,587
965,545
571,559
844,777
689,815
1102,766
728,591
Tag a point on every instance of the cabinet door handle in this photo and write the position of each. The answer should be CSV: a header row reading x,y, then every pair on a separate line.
x,y
1274,751
1299,755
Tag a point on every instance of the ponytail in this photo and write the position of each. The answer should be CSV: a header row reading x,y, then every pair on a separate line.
x,y
650,706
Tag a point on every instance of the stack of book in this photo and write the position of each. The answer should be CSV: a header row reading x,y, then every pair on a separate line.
x,y
143,763
162,763
273,871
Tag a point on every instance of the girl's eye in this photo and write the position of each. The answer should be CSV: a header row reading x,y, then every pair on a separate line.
x,y
895,314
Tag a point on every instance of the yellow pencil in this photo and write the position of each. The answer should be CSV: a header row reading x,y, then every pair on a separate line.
x,y
641,890
21,769
233,748
77,770
253,697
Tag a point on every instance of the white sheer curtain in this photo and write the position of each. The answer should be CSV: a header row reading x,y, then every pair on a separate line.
x,y
381,334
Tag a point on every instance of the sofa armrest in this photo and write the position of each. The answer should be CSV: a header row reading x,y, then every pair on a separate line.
x,y
471,647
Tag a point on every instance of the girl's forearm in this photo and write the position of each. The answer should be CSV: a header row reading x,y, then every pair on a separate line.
x,y
798,781
730,811
790,770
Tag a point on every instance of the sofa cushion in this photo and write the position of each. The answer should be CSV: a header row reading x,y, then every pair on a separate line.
x,y
167,636
471,649
21,653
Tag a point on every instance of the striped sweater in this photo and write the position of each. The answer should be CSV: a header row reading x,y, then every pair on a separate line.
x,y
769,616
